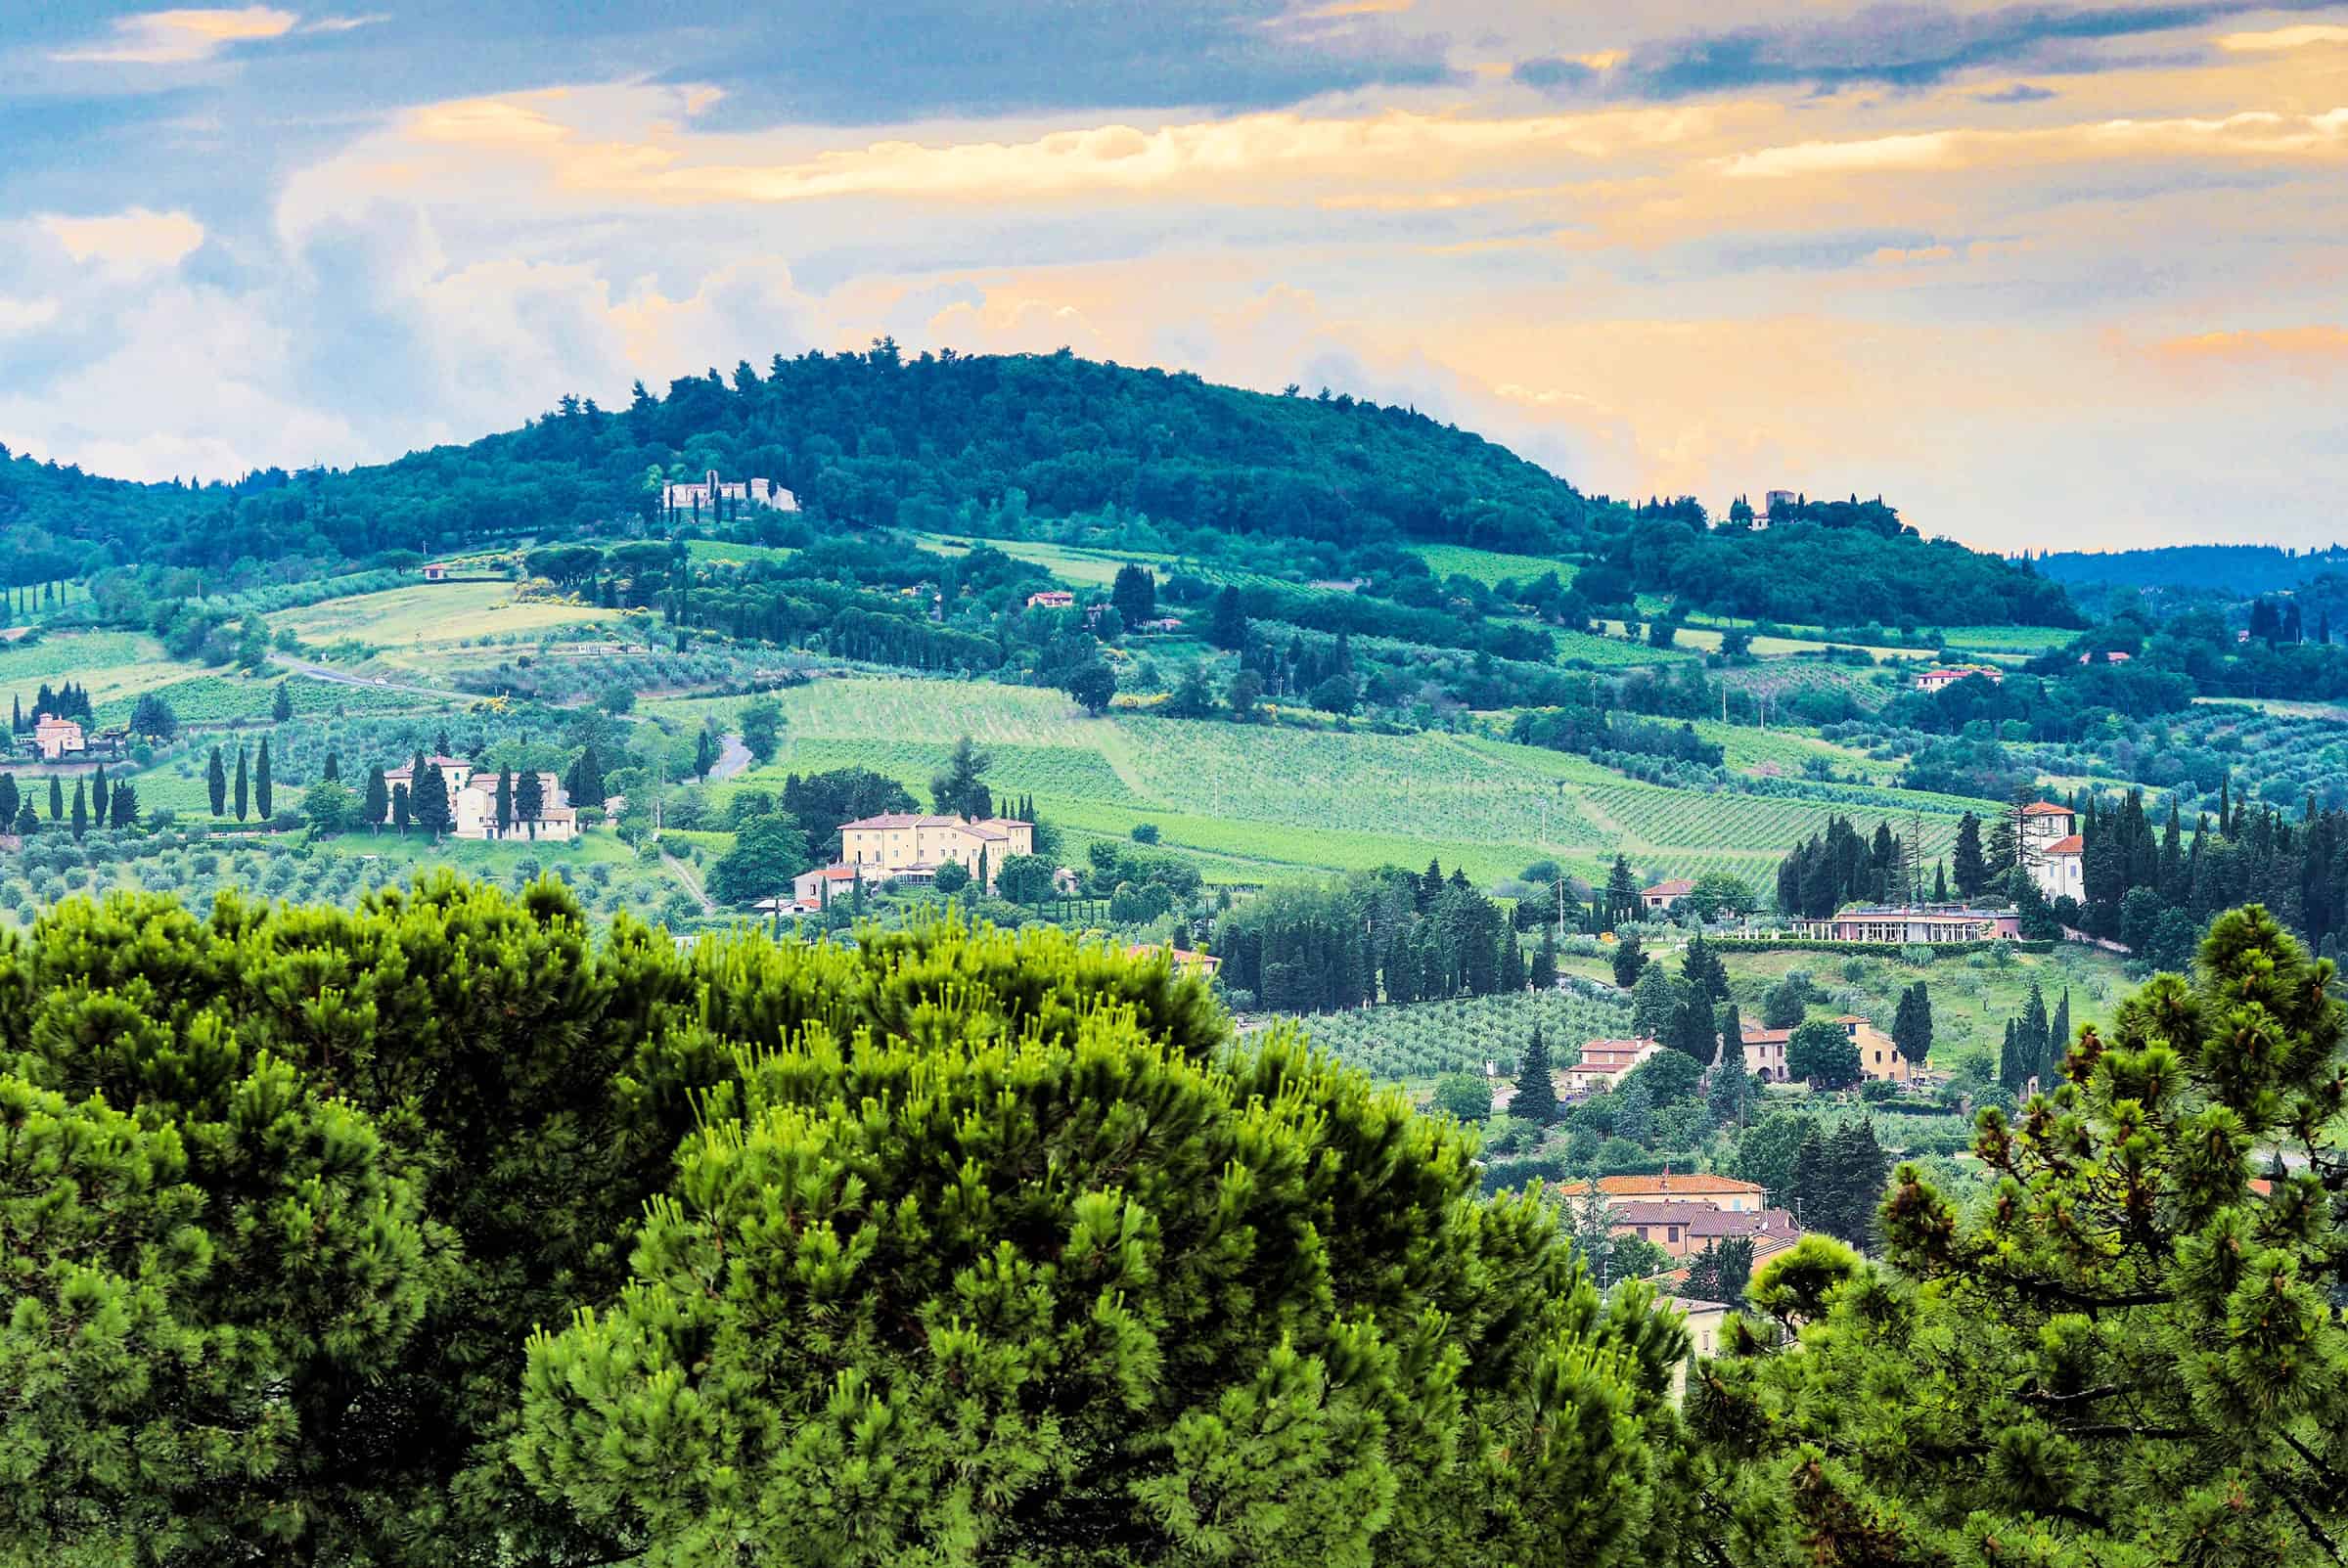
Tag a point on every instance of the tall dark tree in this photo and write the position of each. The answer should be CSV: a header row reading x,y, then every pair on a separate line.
x,y
260,782
530,800
1135,595
505,801
1536,1097
81,808
215,781
57,799
281,706
378,801
705,755
1227,627
1703,972
122,811
960,790
10,799
1629,959
1622,893
1966,861
244,787
430,804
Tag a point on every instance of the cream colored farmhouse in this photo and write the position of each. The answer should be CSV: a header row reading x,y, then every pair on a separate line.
x,y
473,802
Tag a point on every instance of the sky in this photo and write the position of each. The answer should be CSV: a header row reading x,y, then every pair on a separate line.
x,y
2043,275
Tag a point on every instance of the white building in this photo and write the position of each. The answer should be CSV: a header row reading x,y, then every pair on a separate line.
x,y
473,803
705,495
2053,851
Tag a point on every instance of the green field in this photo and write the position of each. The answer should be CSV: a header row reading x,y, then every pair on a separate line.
x,y
1490,566
413,627
1256,803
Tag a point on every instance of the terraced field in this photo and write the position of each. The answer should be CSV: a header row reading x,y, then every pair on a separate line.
x,y
416,627
1252,803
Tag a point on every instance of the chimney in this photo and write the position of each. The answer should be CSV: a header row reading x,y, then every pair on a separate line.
x,y
1666,1186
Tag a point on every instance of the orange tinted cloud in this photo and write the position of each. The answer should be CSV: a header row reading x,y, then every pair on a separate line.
x,y
2304,349
2254,133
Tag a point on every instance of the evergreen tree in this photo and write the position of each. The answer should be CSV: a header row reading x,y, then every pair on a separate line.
x,y
1512,964
1691,1030
961,790
2058,1040
215,782
1912,1025
1941,882
1654,1004
1545,959
57,799
1536,1097
98,794
530,800
81,809
1227,625
10,799
705,755
244,788
260,782
505,801
403,808
430,804
1622,894
378,799
333,768
1630,960
1721,1272
281,706
1969,865
1635,1112
1703,972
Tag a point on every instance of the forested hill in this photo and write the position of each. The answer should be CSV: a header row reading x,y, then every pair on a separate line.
x,y
2236,571
974,443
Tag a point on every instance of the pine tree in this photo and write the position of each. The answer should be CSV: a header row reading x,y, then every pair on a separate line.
x,y
215,782
1622,894
260,782
1691,1031
1536,1097
1512,964
244,788
1703,972
81,808
1966,861
430,804
403,809
1654,1004
2058,1040
334,767
1544,960
1630,960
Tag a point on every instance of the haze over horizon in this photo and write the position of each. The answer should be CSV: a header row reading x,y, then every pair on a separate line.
x,y
2045,276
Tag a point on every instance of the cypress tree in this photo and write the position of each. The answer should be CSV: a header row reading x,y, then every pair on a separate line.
x,y
1512,964
215,782
379,798
334,767
260,782
1536,1097
281,708
57,799
403,808
1545,961
10,799
1941,882
125,808
530,799
98,794
2058,1040
81,808
244,787
505,801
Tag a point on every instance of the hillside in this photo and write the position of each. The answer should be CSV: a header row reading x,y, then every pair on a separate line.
x,y
1325,485
2234,570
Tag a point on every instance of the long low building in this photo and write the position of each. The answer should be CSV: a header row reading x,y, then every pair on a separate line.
x,y
1902,924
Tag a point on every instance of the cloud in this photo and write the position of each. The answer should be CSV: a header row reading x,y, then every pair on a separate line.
x,y
134,242
1907,46
2298,37
1249,158
2021,92
346,23
2309,349
1336,10
2253,134
179,37
23,315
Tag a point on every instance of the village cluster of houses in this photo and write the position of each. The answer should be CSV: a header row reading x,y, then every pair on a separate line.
x,y
1606,1064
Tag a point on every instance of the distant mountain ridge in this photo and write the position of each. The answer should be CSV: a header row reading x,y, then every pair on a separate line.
x,y
2239,571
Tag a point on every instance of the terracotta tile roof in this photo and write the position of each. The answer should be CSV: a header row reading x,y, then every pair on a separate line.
x,y
2047,808
1767,1036
1674,887
1646,1211
2073,845
1707,1220
1684,1181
